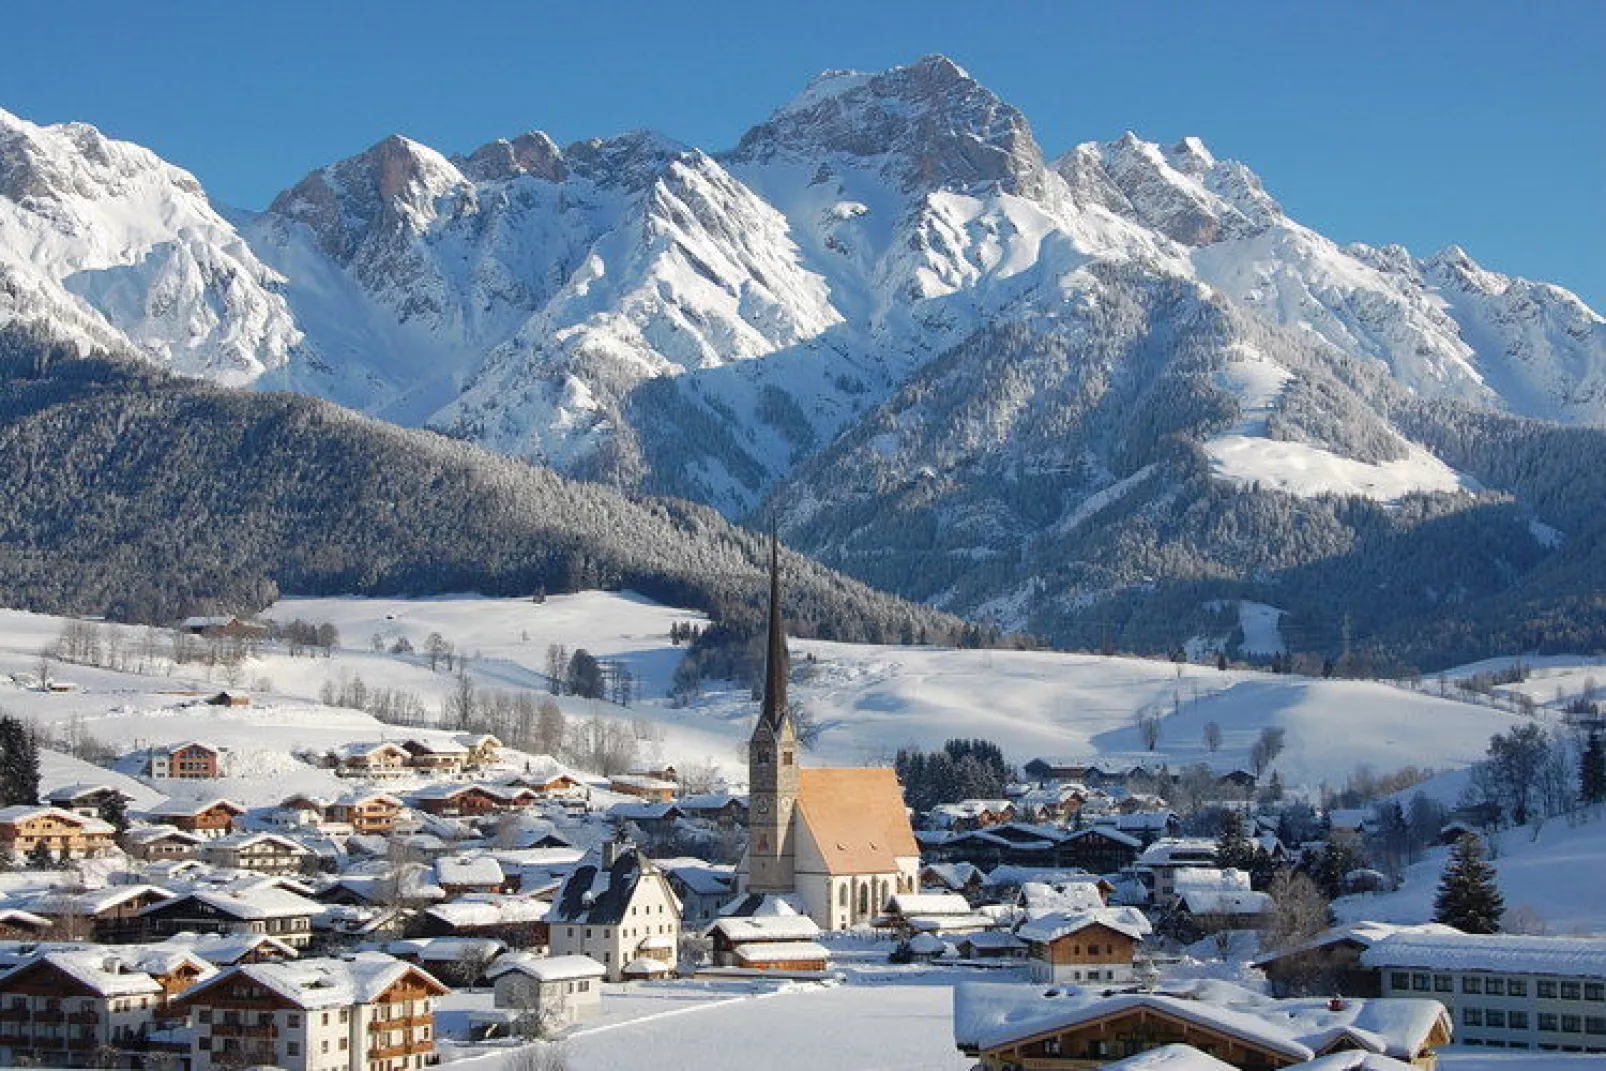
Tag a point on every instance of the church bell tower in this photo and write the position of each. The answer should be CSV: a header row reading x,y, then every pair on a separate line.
x,y
772,764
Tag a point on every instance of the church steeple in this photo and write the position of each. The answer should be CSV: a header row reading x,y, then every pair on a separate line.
x,y
775,709
772,769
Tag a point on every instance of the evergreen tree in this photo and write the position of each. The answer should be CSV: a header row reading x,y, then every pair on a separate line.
x,y
1468,897
1592,770
1233,848
114,811
39,857
19,764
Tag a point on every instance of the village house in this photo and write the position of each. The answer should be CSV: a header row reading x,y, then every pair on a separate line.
x,y
480,749
1096,947
971,814
1100,849
73,1009
1207,900
110,916
214,817
453,801
19,925
1506,991
1162,859
434,756
703,888
228,949
367,813
651,817
769,942
266,909
517,921
1012,1027
368,1012
189,761
1331,962
966,879
720,809
459,874
618,908
647,788
85,799
548,991
159,842
265,853
369,759
1051,804
906,914
26,830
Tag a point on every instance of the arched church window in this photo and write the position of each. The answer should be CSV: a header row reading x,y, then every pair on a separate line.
x,y
864,899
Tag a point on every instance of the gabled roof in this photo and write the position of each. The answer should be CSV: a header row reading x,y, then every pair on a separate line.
x,y
739,929
1052,927
598,893
79,790
547,968
1361,934
322,983
856,818
180,808
103,974
262,902
23,812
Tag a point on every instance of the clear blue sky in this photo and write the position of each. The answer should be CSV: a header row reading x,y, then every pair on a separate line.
x,y
1425,122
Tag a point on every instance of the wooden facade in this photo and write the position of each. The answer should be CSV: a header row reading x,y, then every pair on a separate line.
x,y
1128,1032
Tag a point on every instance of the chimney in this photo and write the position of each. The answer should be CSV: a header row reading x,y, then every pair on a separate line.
x,y
1337,1004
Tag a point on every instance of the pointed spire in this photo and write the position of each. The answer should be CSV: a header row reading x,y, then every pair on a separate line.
x,y
775,710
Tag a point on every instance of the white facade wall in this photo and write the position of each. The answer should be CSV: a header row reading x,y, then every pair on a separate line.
x,y
328,1039
842,901
652,912
1511,1011
568,1000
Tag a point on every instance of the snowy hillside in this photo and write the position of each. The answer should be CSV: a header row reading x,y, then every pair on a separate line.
x,y
868,700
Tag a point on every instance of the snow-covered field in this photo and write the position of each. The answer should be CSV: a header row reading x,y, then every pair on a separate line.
x,y
1551,882
869,700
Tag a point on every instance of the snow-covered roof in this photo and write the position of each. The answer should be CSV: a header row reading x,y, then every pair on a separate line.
x,y
782,952
226,949
78,790
643,784
448,949
262,902
766,928
107,974
547,968
146,834
322,983
1363,933
1011,874
1569,957
489,910
22,812
646,967
1123,920
1178,851
642,811
469,870
705,879
1172,1058
928,904
190,808
1071,897
1225,902
93,901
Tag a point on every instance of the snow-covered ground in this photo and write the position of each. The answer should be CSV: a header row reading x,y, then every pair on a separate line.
x,y
869,700
1552,880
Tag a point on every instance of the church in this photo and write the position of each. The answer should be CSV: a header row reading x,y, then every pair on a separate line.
x,y
838,840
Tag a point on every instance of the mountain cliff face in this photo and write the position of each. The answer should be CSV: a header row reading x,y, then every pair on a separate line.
x,y
1014,386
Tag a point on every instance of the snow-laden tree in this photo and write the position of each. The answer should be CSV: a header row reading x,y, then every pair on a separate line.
x,y
1469,898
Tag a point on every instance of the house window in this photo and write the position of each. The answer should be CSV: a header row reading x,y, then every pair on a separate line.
x,y
1569,991
1472,1016
1495,987
1518,1020
1571,1024
1595,990
1516,987
1547,1021
1494,1017
1546,990
1473,985
292,1048
1443,983
1419,982
1595,1024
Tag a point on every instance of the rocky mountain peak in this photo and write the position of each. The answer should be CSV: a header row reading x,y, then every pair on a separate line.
x,y
394,185
630,160
930,125
528,154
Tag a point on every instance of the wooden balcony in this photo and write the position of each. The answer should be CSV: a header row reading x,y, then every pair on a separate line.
x,y
378,1026
407,1049
88,1017
244,1030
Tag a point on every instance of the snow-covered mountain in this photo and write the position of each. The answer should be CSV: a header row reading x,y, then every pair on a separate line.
x,y
885,311
108,245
